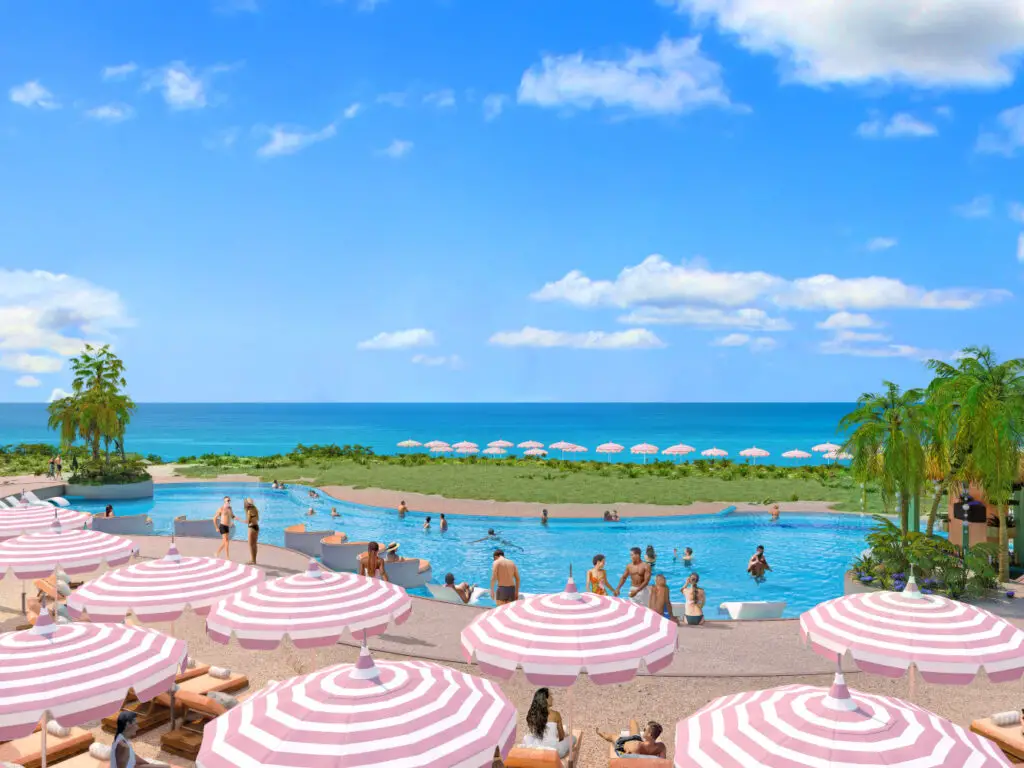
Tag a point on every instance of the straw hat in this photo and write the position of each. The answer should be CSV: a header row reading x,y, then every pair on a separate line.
x,y
392,547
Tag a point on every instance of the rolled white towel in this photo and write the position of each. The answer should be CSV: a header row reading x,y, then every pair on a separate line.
x,y
220,673
1006,718
63,589
99,751
191,663
226,700
57,730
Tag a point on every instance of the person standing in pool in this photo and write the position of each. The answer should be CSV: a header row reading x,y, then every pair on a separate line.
x,y
651,558
694,610
661,598
543,517
597,578
639,573
426,524
504,579
222,521
444,523
252,519
402,509
757,564
775,512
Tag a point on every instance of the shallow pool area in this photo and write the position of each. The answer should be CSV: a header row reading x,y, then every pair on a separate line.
x,y
808,553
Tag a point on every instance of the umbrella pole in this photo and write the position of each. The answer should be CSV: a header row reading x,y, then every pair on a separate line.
x,y
910,694
43,752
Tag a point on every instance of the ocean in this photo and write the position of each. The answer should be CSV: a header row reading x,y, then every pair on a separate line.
x,y
172,430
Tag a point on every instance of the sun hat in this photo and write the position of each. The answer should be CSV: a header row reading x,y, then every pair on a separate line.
x,y
392,547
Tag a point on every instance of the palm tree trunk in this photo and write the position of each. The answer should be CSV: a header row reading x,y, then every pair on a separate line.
x,y
904,513
1004,545
934,511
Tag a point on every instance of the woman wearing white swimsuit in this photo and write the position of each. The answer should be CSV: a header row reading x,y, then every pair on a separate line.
x,y
122,754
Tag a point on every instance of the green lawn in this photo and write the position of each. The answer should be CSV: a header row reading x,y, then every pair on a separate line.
x,y
539,482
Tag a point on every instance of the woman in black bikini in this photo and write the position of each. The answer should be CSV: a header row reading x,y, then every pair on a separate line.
x,y
252,519
222,520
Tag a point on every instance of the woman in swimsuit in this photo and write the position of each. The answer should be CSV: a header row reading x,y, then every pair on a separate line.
x,y
222,522
694,610
597,578
122,754
252,519
651,558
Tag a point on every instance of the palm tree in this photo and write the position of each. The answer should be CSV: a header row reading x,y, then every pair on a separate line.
x,y
939,464
886,443
982,402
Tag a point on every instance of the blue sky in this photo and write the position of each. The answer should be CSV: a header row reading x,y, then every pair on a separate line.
x,y
456,200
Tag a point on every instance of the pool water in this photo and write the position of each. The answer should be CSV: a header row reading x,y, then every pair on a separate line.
x,y
808,553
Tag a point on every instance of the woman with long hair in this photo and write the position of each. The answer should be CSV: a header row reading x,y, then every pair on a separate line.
x,y
544,727
122,753
252,519
694,593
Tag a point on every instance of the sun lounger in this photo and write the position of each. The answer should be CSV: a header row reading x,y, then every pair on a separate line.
x,y
307,542
60,501
87,760
28,750
753,610
186,739
1007,737
198,529
343,556
125,525
445,595
410,572
530,757
158,711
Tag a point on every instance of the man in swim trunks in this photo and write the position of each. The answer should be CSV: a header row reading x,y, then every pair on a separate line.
x,y
504,579
636,743
370,563
402,509
222,520
661,598
639,573
757,565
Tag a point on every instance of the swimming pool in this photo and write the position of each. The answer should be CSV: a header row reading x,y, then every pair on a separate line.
x,y
808,552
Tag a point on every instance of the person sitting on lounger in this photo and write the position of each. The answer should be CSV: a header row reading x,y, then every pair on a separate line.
x,y
636,743
371,564
391,553
122,753
757,565
661,598
463,589
544,727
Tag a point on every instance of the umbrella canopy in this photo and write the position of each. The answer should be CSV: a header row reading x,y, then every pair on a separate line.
x,y
37,555
576,449
796,454
75,673
715,453
803,725
313,609
38,519
434,443
680,449
826,447
644,448
561,445
499,444
494,451
467,449
837,456
530,444
946,640
410,444
535,452
755,453
556,637
464,444
161,590
413,714
609,448
440,448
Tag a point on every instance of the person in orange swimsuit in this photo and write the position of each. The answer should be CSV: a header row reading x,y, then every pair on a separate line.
x,y
597,578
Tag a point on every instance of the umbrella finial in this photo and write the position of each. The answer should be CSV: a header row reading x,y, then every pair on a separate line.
x,y
364,668
313,569
570,591
838,698
911,589
173,555
55,525
44,625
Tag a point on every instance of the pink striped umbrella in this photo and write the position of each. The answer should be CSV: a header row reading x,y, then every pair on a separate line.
x,y
826,447
409,444
535,452
680,449
576,449
645,449
499,444
440,449
161,590
609,448
408,714
887,632
530,444
837,456
38,519
796,454
556,637
467,450
754,453
802,725
715,453
313,609
434,443
37,555
464,444
494,451
75,673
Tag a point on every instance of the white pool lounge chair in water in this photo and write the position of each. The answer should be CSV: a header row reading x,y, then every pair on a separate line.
x,y
409,572
445,595
307,542
753,609
60,501
124,525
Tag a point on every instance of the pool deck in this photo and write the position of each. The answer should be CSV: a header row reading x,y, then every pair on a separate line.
x,y
717,659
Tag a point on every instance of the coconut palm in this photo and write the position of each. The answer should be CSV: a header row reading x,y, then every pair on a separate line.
x,y
982,405
886,432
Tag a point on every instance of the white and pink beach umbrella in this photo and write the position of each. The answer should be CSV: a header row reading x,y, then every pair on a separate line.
x,y
410,444
576,449
160,590
562,446
499,444
804,725
312,609
434,444
837,456
467,450
22,520
714,453
889,633
442,448
494,450
679,449
826,447
609,448
530,444
407,714
754,453
796,454
76,673
553,638
644,449
462,444
37,555
535,452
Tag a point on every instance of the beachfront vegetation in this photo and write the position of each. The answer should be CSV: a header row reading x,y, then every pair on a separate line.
x,y
965,429
97,413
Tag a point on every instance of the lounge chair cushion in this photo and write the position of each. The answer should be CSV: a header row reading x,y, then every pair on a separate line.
x,y
99,751
221,673
56,729
6,764
226,700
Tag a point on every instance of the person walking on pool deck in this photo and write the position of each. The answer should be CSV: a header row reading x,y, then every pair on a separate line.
x,y
639,573
252,519
597,578
694,610
370,563
222,520
504,579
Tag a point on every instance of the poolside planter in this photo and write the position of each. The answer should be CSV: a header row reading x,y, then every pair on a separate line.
x,y
143,490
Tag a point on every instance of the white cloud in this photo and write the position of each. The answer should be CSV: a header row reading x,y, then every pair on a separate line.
x,y
48,316
733,340
441,99
182,87
285,140
414,337
33,94
857,348
111,113
930,43
58,394
119,71
397,148
881,243
635,338
707,317
438,361
494,105
1020,247
900,126
656,281
1016,212
673,78
393,99
753,343
978,208
841,320
27,381
1008,135
352,110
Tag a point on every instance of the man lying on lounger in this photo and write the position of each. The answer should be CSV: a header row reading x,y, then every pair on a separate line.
x,y
636,743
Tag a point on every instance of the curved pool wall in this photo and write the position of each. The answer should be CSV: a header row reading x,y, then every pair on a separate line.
x,y
808,553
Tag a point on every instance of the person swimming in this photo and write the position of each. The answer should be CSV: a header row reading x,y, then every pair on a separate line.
x,y
310,512
334,512
775,512
444,523
492,536
687,557
650,557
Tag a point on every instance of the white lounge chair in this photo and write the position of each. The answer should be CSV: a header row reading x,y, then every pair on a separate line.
x,y
60,501
445,595
753,609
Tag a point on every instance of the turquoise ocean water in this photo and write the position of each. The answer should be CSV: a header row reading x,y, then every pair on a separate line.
x,y
174,430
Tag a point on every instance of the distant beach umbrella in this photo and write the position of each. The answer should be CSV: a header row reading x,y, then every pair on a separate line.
x,y
467,450
826,447
499,444
494,450
680,449
562,446
838,456
644,449
535,452
609,448
577,449
410,444
754,453
441,449
464,444
434,443
530,445
714,453
796,454
22,520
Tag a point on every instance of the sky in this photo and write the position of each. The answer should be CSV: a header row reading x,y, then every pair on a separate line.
x,y
510,200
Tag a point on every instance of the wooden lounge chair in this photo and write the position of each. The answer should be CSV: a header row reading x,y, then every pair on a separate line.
x,y
189,674
530,757
1007,737
28,750
187,738
86,760
152,714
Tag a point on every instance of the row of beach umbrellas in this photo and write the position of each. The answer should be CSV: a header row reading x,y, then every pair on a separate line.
x,y
829,451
